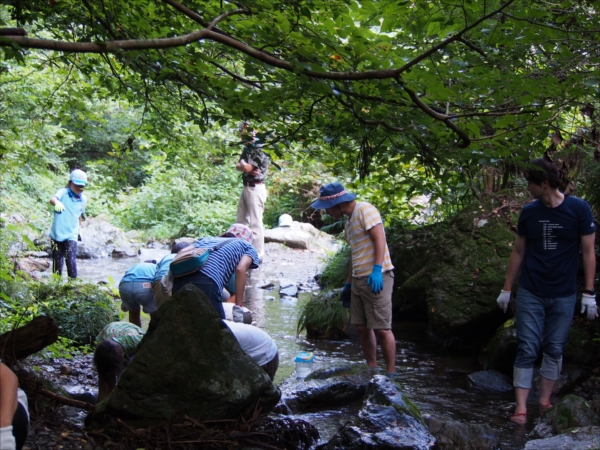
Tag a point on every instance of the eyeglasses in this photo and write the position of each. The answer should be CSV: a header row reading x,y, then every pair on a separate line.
x,y
78,186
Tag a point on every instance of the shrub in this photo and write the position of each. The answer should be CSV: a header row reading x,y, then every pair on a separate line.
x,y
79,309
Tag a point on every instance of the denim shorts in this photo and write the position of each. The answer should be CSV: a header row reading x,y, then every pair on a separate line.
x,y
542,324
135,294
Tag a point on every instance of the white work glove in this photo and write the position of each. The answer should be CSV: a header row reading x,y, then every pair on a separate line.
x,y
588,302
58,206
503,300
7,440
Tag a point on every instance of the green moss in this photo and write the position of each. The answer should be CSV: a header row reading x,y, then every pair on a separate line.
x,y
409,408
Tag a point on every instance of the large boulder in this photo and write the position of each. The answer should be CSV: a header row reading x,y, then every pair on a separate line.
x,y
450,274
299,235
99,238
188,364
388,419
31,266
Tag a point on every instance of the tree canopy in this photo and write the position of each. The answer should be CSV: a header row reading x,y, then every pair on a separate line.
x,y
440,82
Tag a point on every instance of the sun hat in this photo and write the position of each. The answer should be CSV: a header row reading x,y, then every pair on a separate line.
x,y
332,194
79,177
285,220
241,232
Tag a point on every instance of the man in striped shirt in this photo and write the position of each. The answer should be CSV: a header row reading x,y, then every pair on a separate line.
x,y
237,256
369,286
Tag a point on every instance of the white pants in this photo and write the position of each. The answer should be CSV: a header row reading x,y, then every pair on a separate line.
x,y
250,212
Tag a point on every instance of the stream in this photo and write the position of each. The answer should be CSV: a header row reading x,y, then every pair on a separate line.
x,y
433,379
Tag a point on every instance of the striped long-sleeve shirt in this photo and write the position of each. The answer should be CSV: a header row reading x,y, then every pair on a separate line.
x,y
221,264
364,217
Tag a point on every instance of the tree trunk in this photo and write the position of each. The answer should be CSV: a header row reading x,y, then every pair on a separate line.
x,y
30,338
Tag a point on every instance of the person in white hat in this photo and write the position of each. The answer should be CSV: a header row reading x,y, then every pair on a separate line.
x,y
69,209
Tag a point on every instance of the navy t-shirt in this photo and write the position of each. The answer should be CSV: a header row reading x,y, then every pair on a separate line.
x,y
553,237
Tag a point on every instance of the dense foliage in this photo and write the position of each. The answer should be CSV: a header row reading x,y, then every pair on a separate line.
x,y
81,310
367,88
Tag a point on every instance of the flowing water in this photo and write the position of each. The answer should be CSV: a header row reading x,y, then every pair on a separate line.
x,y
431,377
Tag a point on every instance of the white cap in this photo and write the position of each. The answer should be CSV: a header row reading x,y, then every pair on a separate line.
x,y
285,220
79,177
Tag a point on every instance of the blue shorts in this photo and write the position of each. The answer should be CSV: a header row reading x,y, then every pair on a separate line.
x,y
135,294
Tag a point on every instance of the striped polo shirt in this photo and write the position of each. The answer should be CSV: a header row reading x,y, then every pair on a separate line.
x,y
221,264
364,217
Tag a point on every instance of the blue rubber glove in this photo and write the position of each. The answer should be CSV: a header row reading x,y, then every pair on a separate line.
x,y
346,295
375,280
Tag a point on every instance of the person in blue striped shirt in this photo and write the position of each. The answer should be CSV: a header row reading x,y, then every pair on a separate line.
x,y
235,257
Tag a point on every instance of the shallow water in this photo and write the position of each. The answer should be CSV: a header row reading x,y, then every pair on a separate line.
x,y
432,378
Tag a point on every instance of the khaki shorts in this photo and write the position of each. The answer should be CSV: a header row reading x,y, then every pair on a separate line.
x,y
372,310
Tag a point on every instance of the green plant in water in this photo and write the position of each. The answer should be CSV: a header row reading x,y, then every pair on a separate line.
x,y
323,317
335,272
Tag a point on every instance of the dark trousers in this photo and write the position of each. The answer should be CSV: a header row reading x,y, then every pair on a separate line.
x,y
61,251
206,285
272,366
20,426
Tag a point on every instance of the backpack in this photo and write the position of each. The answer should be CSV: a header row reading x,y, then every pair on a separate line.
x,y
192,259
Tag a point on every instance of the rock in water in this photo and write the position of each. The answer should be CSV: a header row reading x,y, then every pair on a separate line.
x,y
188,364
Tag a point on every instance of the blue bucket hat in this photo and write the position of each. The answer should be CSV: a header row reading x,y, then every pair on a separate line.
x,y
332,194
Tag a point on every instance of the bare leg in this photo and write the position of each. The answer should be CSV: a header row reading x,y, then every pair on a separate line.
x,y
8,393
368,344
520,414
388,347
134,316
546,388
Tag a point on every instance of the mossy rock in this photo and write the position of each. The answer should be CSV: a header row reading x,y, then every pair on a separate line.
x,y
455,274
571,412
499,353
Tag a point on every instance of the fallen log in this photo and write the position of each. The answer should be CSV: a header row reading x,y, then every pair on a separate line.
x,y
32,337
67,401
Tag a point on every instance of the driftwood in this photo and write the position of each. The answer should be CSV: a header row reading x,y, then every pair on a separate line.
x,y
28,339
67,401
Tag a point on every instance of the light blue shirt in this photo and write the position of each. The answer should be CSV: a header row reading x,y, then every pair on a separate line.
x,y
140,273
163,266
66,224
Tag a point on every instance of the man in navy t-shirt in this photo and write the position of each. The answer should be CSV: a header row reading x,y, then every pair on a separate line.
x,y
550,233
